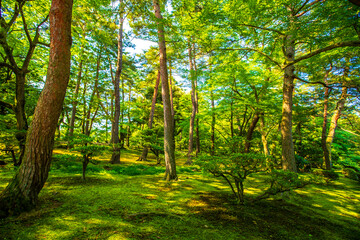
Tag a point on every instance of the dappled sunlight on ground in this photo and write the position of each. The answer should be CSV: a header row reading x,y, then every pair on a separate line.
x,y
132,201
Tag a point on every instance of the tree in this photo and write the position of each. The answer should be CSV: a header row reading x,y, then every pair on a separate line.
x,y
20,66
115,139
22,193
293,28
169,143
145,151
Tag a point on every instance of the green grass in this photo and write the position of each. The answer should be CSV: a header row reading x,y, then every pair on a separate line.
x,y
131,201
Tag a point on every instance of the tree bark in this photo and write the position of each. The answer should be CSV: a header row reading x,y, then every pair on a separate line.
x,y
92,98
115,158
145,151
22,125
324,126
22,193
333,125
169,143
128,130
74,105
212,151
193,112
251,131
263,135
288,155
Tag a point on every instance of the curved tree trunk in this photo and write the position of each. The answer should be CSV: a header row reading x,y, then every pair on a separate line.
x,y
145,151
74,105
263,135
288,155
169,143
22,193
323,134
20,115
251,131
333,125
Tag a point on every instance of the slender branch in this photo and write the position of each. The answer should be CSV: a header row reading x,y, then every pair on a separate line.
x,y
33,44
255,50
308,9
7,26
325,49
302,6
263,28
44,44
3,64
308,82
25,26
8,52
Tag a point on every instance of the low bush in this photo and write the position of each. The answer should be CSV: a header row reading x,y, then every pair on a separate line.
x,y
350,173
330,174
234,169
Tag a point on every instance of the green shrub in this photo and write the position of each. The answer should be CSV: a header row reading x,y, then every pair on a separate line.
x,y
282,181
330,174
234,169
350,173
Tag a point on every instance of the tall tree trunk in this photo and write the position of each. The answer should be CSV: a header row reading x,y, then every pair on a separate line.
x,y
74,105
193,112
212,151
333,125
92,98
323,134
88,120
196,102
325,121
169,143
122,135
115,158
232,118
145,151
171,93
20,115
22,193
251,131
128,130
288,155
263,135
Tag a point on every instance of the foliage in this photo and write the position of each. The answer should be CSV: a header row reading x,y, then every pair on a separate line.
x,y
119,206
351,173
280,181
234,169
329,174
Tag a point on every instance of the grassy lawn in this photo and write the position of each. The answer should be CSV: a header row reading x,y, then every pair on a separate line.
x,y
131,201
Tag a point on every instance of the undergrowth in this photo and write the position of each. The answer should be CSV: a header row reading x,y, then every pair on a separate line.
x,y
131,201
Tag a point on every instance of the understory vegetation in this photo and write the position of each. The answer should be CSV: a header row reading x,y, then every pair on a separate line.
x,y
132,201
180,119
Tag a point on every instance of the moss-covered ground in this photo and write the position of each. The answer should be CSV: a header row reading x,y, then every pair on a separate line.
x,y
131,201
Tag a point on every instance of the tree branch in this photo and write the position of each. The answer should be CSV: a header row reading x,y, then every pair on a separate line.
x,y
255,50
25,26
33,44
3,64
44,44
318,82
325,49
263,28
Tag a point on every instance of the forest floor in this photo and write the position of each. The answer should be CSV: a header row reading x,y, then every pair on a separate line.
x,y
132,201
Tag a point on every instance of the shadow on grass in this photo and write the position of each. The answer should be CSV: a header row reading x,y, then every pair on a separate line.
x,y
270,219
